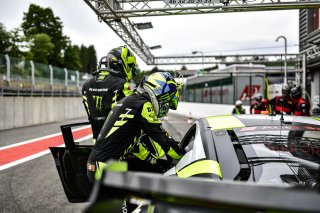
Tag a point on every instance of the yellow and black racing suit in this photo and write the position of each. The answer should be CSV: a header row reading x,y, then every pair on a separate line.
x,y
100,93
123,127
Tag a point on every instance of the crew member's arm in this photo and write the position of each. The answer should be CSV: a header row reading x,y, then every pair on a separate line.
x,y
271,103
85,100
308,108
251,108
151,125
304,108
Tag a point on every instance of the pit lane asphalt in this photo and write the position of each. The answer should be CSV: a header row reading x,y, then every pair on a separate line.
x,y
34,186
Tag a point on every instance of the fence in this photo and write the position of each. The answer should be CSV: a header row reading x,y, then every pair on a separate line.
x,y
19,77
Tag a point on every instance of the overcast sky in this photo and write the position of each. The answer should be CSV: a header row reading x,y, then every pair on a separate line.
x,y
224,33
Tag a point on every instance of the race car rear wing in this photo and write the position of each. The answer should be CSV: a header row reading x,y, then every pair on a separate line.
x,y
172,194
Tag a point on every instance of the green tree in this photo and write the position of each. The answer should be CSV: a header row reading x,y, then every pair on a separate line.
x,y
41,48
139,75
88,58
42,20
83,55
71,57
11,42
92,59
17,41
4,39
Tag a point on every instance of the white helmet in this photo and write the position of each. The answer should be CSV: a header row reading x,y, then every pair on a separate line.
x,y
285,90
238,103
258,97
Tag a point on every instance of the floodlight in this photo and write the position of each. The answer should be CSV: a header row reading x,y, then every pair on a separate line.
x,y
143,26
155,47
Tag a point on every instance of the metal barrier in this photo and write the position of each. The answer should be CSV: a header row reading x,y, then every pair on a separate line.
x,y
20,77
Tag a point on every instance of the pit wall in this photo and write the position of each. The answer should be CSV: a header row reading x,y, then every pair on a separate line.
x,y
26,111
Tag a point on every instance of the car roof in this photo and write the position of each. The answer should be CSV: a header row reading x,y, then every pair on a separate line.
x,y
238,121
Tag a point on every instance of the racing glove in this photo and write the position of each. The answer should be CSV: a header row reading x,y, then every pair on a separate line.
x,y
174,152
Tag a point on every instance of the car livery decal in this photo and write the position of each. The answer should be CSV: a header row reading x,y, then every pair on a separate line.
x,y
224,122
113,166
200,167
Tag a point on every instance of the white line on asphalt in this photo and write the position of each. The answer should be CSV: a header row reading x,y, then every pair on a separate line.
x,y
84,138
23,160
34,156
37,139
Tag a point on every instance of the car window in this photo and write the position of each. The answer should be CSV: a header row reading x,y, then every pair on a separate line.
x,y
189,136
293,155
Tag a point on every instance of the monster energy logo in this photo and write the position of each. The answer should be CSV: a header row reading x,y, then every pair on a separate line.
x,y
98,100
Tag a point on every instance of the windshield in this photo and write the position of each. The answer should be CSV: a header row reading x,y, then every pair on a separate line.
x,y
291,155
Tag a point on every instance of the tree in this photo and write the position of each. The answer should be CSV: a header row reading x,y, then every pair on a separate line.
x,y
83,55
11,42
71,57
42,20
92,59
88,58
41,48
17,41
139,75
4,39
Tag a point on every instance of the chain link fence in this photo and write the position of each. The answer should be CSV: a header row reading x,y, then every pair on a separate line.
x,y
20,77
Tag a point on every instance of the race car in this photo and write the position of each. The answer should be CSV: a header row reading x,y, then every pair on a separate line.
x,y
232,163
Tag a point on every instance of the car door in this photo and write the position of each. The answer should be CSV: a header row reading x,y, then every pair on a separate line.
x,y
71,163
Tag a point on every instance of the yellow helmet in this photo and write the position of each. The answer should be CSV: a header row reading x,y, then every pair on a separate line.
x,y
163,91
120,61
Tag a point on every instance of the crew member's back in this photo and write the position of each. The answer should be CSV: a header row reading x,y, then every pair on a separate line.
x,y
107,86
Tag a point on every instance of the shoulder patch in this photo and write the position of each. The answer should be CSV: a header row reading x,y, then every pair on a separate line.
x,y
149,114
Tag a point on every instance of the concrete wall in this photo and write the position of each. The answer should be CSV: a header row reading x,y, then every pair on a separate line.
x,y
26,111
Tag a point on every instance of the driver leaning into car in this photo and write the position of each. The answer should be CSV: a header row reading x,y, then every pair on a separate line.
x,y
133,115
107,86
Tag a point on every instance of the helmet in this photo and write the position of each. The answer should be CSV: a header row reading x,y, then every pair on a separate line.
x,y
258,97
296,92
174,101
163,91
120,62
285,89
316,109
238,103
